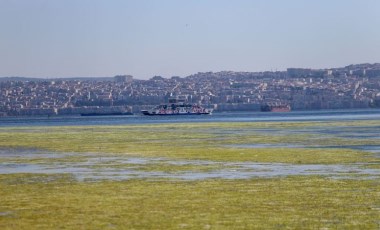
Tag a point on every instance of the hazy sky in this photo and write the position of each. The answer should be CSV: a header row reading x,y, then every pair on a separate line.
x,y
69,38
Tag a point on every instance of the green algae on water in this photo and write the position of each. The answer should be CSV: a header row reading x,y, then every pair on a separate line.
x,y
290,203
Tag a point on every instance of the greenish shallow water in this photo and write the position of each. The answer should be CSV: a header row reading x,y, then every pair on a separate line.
x,y
274,175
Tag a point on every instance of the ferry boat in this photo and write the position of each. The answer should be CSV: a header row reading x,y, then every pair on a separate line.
x,y
177,107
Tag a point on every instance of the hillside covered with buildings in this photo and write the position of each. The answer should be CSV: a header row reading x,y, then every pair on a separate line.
x,y
353,86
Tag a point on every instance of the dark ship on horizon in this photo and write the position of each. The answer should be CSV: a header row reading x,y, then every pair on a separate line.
x,y
275,107
107,111
106,114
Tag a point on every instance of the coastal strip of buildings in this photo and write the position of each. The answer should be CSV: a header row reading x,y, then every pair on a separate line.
x,y
354,86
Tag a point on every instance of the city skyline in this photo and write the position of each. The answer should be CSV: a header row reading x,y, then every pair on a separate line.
x,y
172,38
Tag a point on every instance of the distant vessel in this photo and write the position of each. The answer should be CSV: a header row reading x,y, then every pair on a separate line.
x,y
106,114
177,107
106,111
273,107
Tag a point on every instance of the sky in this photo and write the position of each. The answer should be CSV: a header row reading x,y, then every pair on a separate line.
x,y
145,38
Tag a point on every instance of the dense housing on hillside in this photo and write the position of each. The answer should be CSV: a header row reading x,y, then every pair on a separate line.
x,y
354,86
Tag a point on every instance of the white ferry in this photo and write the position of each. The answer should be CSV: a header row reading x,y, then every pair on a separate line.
x,y
177,107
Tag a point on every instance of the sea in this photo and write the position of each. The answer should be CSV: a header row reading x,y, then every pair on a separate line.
x,y
11,159
294,116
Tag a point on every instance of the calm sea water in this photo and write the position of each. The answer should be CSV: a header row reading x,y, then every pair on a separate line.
x,y
368,114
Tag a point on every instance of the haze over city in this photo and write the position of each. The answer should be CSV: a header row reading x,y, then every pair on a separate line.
x,y
93,38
